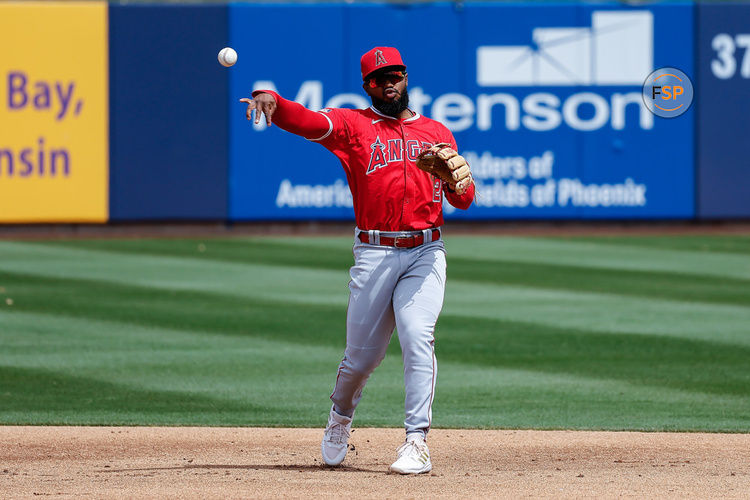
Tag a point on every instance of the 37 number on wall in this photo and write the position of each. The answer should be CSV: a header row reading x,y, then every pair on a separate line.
x,y
724,65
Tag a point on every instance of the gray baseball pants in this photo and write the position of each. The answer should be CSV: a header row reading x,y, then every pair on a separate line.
x,y
393,287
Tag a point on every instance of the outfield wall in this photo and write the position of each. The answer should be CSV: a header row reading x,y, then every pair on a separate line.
x,y
545,102
169,127
723,148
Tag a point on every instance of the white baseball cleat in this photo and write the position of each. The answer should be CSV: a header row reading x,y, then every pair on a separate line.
x,y
336,438
413,456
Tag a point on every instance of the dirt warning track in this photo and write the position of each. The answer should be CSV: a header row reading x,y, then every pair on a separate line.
x,y
191,462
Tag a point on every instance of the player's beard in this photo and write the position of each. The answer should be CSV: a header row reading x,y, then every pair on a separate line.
x,y
392,108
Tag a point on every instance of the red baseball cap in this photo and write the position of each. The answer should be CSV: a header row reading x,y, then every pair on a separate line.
x,y
380,57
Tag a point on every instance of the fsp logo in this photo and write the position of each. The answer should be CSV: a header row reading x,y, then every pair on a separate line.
x,y
668,92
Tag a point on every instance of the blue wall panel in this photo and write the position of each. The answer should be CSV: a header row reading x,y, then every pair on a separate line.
x,y
659,160
497,140
300,180
543,100
168,105
723,153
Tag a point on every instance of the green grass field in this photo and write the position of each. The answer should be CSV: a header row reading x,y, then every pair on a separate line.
x,y
642,333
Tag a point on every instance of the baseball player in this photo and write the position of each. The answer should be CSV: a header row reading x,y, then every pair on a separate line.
x,y
398,277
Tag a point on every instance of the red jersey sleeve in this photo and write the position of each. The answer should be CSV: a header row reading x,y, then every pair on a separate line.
x,y
337,138
462,201
297,119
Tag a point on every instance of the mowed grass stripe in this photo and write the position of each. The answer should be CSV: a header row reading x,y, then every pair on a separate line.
x,y
286,252
523,399
328,284
728,243
680,363
44,338
490,399
135,375
262,288
718,243
187,310
660,285
251,280
289,253
599,312
100,371
592,311
647,360
601,256
576,253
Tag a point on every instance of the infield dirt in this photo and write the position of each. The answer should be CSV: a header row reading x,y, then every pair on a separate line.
x,y
191,462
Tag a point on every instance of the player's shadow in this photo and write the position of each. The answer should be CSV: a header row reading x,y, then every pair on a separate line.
x,y
291,468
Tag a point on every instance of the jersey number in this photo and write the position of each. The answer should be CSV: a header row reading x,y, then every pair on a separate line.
x,y
437,191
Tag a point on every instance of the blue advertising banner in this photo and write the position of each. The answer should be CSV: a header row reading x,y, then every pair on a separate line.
x,y
301,180
169,124
723,152
545,102
570,115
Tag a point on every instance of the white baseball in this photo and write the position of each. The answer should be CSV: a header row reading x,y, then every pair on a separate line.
x,y
227,56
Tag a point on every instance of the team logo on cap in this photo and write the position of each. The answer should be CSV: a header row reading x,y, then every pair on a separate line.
x,y
379,59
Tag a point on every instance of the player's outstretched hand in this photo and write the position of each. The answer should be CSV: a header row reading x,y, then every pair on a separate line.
x,y
262,104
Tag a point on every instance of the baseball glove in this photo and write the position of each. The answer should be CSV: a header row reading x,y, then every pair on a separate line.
x,y
446,164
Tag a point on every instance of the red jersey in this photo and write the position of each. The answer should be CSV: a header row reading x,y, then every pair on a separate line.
x,y
379,153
